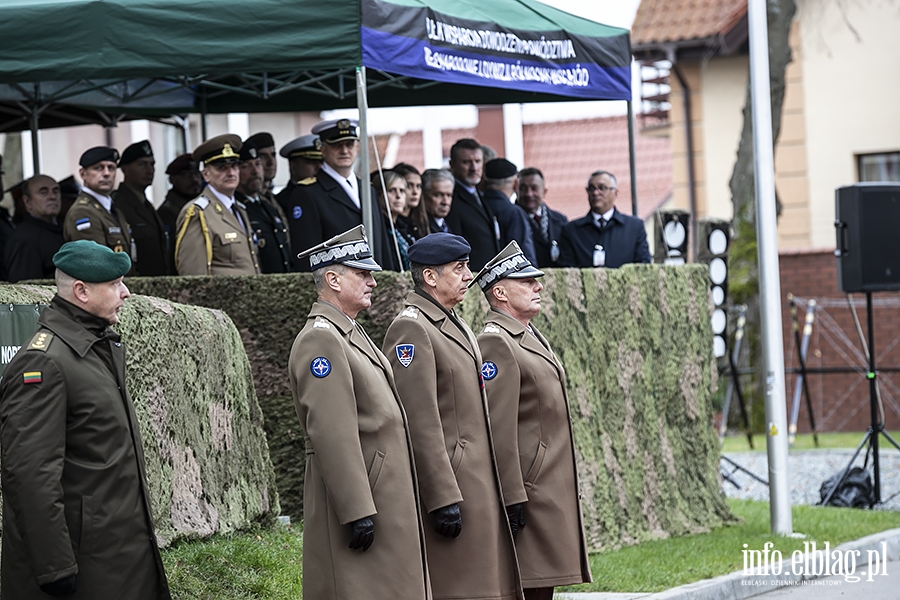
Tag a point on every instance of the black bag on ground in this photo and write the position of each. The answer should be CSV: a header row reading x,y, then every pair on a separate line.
x,y
855,492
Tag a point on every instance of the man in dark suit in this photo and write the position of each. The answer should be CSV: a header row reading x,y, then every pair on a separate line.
x,y
605,237
546,224
147,229
500,183
469,216
437,195
329,204
29,251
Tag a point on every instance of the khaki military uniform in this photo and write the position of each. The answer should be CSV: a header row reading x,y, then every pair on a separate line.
x,y
75,497
436,364
211,241
359,464
88,220
526,390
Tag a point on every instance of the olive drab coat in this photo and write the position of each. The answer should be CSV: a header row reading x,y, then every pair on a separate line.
x,y
89,220
526,390
436,366
359,463
211,241
75,497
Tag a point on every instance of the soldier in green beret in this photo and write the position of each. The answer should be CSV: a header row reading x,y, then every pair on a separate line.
x,y
76,508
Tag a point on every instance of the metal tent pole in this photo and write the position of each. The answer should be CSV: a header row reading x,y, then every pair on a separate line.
x,y
769,284
631,161
34,126
365,190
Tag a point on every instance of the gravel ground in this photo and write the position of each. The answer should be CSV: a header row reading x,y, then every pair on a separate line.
x,y
807,470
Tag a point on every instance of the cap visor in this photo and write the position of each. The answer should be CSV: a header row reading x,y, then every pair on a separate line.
x,y
366,264
526,273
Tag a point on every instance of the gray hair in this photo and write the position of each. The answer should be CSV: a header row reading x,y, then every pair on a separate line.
x,y
319,275
598,173
418,272
431,176
64,283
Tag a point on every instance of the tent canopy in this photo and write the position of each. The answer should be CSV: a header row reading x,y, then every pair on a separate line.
x,y
102,60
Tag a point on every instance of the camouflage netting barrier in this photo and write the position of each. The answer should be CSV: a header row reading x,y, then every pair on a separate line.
x,y
207,460
636,346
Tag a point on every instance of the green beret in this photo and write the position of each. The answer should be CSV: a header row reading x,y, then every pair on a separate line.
x,y
90,262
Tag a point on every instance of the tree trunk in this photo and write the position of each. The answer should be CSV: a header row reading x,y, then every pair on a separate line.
x,y
744,269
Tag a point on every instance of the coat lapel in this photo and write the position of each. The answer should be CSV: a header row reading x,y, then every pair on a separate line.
x,y
336,192
445,324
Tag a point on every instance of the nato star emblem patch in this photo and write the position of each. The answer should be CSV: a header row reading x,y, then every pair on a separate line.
x,y
488,370
320,367
405,353
297,212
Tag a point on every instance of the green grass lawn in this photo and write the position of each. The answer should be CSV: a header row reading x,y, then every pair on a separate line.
x,y
266,564
738,443
662,564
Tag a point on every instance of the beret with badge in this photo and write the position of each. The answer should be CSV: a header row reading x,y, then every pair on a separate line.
x,y
98,154
136,151
439,249
182,163
263,139
350,248
248,151
337,130
509,264
222,148
91,262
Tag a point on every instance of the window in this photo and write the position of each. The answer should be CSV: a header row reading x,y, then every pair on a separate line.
x,y
879,167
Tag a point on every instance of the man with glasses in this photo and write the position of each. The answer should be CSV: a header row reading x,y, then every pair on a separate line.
x,y
213,232
604,237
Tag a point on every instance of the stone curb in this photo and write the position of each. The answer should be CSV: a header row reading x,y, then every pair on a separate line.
x,y
732,587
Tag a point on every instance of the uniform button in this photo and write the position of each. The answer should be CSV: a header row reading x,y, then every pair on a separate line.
x,y
580,496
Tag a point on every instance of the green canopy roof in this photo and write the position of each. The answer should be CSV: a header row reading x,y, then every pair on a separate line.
x,y
75,61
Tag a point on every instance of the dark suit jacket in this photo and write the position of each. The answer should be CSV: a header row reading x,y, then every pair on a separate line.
x,y
473,220
624,240
513,223
543,244
322,209
271,231
147,229
29,251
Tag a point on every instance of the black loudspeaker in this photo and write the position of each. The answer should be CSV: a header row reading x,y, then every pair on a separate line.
x,y
867,226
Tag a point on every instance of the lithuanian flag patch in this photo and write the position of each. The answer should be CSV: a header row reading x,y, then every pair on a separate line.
x,y
31,377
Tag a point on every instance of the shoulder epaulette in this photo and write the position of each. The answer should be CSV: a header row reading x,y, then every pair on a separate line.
x,y
84,201
307,181
202,202
41,341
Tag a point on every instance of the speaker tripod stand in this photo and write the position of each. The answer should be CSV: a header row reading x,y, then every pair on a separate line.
x,y
876,428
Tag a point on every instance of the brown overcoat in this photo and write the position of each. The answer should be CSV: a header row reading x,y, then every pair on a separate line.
x,y
436,366
359,464
75,497
211,241
526,390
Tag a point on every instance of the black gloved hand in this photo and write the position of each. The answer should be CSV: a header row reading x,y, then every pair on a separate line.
x,y
516,515
60,587
363,534
448,521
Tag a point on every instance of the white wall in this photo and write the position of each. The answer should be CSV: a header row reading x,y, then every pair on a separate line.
x,y
851,61
723,95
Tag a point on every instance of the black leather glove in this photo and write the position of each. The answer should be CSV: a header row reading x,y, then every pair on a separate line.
x,y
363,534
516,515
448,521
60,587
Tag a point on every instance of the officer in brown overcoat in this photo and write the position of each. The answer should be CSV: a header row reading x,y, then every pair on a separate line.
x,y
436,364
214,235
76,508
93,215
526,390
362,530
